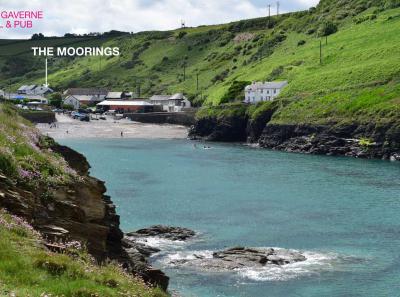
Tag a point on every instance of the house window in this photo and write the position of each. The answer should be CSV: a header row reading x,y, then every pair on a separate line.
x,y
274,91
268,92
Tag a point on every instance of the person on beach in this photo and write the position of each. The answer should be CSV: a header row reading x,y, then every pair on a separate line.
x,y
122,134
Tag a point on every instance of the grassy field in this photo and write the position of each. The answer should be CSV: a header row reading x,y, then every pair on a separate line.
x,y
357,76
28,269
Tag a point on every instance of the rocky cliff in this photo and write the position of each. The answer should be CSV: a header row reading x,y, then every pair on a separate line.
x,y
361,140
354,140
77,211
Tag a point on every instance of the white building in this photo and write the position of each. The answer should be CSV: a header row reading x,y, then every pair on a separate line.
x,y
77,101
174,103
263,91
34,90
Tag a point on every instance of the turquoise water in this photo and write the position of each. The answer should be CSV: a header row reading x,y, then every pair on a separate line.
x,y
344,213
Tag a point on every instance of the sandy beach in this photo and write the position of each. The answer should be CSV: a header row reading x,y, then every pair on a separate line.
x,y
67,127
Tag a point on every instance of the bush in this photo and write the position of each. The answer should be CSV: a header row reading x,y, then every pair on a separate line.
x,y
364,18
327,28
55,100
7,167
235,92
275,73
181,34
389,4
301,42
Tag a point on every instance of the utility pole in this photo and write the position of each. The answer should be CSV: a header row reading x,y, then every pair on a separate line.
x,y
269,15
277,8
320,52
138,87
46,84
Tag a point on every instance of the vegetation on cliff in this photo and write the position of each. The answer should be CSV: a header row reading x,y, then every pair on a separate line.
x,y
25,156
48,186
28,268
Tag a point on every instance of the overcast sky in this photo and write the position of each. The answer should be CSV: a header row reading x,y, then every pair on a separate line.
x,y
84,16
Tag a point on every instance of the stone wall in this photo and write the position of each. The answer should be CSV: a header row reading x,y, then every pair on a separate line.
x,y
176,118
38,116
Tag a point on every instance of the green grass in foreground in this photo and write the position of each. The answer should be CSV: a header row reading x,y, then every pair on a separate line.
x,y
28,269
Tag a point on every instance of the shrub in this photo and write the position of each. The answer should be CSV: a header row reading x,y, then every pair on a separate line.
x,y
7,167
310,31
392,4
235,92
301,42
56,100
364,18
181,34
275,73
327,28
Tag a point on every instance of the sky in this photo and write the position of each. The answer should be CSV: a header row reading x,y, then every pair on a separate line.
x,y
84,16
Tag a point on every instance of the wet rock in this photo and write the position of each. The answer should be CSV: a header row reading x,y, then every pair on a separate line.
x,y
241,257
166,232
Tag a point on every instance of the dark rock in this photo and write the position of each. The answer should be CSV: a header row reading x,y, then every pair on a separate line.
x,y
333,140
167,232
241,257
229,129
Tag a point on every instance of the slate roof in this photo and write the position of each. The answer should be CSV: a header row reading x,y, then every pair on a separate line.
x,y
267,85
86,91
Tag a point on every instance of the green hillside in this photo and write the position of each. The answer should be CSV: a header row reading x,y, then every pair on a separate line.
x,y
358,75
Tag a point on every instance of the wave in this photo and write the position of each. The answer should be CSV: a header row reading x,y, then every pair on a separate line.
x,y
315,264
161,243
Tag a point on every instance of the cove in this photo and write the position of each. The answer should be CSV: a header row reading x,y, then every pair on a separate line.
x,y
342,212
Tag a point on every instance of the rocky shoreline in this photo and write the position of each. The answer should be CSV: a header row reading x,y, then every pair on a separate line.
x,y
372,141
79,211
224,260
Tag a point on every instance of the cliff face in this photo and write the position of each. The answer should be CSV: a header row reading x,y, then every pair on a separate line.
x,y
355,140
77,211
370,140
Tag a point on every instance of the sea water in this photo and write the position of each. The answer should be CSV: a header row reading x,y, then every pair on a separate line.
x,y
342,213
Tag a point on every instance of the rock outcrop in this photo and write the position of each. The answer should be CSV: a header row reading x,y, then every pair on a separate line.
x,y
359,140
242,257
166,232
77,211
355,140
228,129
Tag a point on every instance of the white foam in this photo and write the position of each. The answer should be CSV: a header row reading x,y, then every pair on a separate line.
x,y
161,243
314,264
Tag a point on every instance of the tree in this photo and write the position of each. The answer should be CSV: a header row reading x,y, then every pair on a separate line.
x,y
56,100
327,28
37,36
235,92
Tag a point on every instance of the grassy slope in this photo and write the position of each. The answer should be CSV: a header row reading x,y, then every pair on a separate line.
x,y
28,269
358,77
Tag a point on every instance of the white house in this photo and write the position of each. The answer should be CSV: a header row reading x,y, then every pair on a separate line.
x,y
174,103
42,90
161,100
78,100
263,91
34,90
